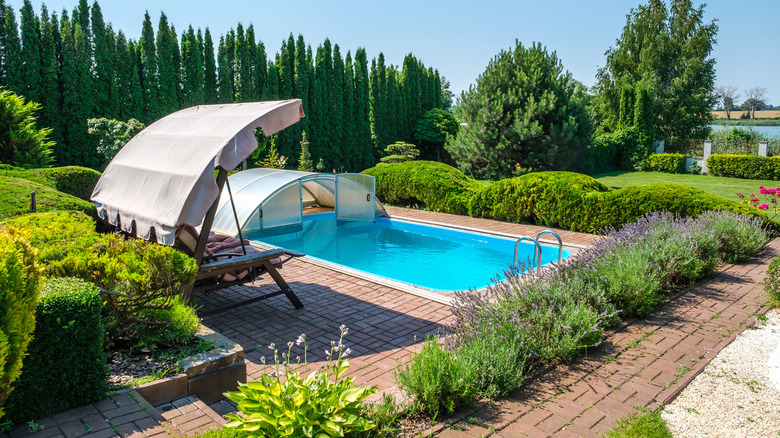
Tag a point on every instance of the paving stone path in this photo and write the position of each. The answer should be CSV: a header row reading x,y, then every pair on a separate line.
x,y
643,363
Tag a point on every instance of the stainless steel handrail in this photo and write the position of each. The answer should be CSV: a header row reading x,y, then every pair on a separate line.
x,y
538,250
560,242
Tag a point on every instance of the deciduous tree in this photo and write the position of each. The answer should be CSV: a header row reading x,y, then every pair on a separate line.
x,y
728,95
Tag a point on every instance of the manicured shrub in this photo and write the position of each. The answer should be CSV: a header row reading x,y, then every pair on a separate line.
x,y
580,203
772,282
669,163
65,366
744,166
15,198
73,180
143,275
437,186
740,237
19,278
180,322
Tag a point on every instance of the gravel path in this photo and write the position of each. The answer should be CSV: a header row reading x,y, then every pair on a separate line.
x,y
738,393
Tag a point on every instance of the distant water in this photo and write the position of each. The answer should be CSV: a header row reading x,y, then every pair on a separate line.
x,y
770,131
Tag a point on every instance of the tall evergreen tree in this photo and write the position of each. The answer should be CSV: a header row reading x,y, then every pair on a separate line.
x,y
349,129
50,97
14,66
168,67
225,73
261,70
76,148
243,72
362,110
210,69
193,72
3,58
149,75
136,90
392,109
31,54
81,16
272,82
252,89
105,95
124,75
301,83
336,98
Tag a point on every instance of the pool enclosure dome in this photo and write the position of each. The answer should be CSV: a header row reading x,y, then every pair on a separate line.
x,y
277,199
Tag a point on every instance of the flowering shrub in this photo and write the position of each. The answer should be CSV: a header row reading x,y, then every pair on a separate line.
x,y
769,203
313,406
740,237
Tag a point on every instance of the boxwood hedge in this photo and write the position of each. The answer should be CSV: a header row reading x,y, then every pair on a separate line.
x,y
669,163
564,199
437,186
744,166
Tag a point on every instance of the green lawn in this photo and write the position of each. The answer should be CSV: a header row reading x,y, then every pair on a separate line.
x,y
725,187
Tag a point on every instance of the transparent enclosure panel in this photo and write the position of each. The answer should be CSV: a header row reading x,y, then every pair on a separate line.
x,y
355,197
283,208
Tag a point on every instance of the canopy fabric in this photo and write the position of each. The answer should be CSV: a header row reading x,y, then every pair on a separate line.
x,y
164,176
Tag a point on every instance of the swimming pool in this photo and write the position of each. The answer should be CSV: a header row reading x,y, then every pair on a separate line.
x,y
432,257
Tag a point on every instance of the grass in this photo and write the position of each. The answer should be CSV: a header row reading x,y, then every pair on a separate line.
x,y
643,424
720,186
15,198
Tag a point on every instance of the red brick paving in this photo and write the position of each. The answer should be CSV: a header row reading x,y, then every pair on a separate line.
x,y
644,362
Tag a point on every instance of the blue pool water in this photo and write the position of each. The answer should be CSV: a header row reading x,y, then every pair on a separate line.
x,y
432,257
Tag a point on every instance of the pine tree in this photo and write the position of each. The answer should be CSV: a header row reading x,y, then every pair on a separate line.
x,y
14,66
362,110
168,68
50,99
106,100
31,54
210,70
149,76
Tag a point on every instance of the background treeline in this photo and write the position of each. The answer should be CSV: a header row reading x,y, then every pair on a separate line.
x,y
78,67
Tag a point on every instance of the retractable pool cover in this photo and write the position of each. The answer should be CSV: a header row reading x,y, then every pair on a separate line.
x,y
164,177
272,198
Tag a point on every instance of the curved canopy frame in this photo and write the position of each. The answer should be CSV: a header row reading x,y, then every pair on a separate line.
x,y
164,177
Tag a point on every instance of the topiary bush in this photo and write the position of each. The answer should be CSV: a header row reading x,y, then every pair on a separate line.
x,y
143,275
744,166
15,198
437,186
18,296
65,366
580,203
669,163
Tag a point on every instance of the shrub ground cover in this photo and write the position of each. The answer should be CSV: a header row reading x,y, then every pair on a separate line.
x,y
502,334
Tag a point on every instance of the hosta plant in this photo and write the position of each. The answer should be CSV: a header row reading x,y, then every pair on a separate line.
x,y
284,403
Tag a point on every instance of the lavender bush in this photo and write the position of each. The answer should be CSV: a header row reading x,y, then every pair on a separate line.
x,y
740,237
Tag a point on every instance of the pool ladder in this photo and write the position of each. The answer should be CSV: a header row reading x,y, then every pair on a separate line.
x,y
539,247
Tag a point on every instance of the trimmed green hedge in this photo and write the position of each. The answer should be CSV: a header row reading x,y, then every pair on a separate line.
x,y
65,366
438,186
669,163
744,166
15,198
18,296
580,203
73,180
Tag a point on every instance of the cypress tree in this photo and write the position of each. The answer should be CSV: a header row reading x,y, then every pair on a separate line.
x,y
167,67
643,119
251,48
312,115
76,149
362,110
50,98
375,102
81,16
393,110
225,73
336,98
286,65
438,96
3,58
193,72
321,143
626,106
124,74
176,66
31,54
243,70
149,75
210,69
14,66
272,82
301,83
261,70
349,131
136,90
105,95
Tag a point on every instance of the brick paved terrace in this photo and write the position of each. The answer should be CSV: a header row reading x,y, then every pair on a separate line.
x,y
643,363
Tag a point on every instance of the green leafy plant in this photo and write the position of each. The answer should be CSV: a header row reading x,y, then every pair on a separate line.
x,y
770,198
19,277
284,403
273,160
113,134
744,166
669,163
772,282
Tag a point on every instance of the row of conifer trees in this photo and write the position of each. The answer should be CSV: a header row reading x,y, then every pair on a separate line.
x,y
78,67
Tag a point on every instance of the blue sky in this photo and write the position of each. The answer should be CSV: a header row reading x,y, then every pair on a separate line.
x,y
459,37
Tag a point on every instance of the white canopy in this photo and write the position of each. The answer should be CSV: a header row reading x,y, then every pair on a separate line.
x,y
164,177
